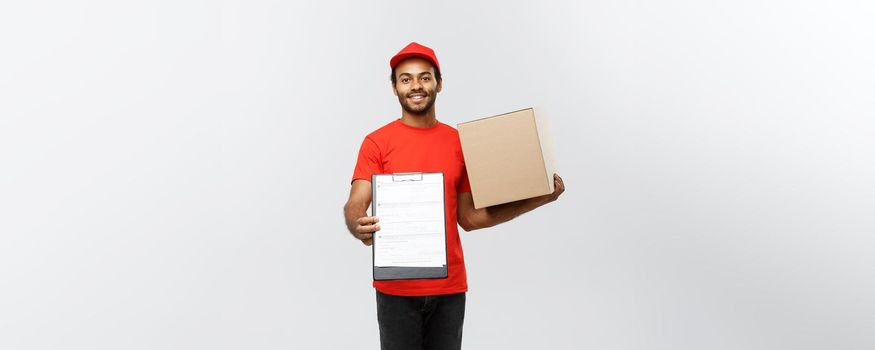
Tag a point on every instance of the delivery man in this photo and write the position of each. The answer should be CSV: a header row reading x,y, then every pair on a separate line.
x,y
425,313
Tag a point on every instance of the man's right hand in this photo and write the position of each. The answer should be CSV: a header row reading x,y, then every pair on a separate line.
x,y
365,228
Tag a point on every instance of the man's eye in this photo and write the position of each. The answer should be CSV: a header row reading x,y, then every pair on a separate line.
x,y
405,80
426,78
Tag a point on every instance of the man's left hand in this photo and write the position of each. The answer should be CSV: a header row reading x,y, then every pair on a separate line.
x,y
558,188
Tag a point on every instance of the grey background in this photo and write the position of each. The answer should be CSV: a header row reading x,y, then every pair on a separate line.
x,y
173,172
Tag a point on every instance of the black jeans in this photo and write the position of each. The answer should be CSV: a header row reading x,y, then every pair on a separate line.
x,y
412,323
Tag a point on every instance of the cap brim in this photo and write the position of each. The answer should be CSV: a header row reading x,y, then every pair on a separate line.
x,y
397,59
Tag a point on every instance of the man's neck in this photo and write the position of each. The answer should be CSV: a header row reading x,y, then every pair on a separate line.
x,y
426,120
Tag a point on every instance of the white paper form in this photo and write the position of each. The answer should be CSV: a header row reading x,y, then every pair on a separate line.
x,y
412,227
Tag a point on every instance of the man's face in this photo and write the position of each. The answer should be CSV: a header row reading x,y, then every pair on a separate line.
x,y
416,86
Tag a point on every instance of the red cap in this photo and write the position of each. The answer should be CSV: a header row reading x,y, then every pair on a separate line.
x,y
414,50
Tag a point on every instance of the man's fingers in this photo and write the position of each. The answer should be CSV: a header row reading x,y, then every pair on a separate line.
x,y
368,220
368,228
367,225
558,184
367,238
364,236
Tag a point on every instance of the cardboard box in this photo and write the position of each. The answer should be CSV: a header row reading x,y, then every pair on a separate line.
x,y
508,157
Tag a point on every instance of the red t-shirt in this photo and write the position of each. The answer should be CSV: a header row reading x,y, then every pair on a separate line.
x,y
397,148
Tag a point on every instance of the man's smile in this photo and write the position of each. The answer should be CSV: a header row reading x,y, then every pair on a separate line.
x,y
417,96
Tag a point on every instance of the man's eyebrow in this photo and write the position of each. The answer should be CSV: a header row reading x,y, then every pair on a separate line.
x,y
410,75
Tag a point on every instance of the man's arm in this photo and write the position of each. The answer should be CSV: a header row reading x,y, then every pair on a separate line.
x,y
473,219
359,224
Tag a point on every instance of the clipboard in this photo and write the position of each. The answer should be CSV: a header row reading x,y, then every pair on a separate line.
x,y
411,202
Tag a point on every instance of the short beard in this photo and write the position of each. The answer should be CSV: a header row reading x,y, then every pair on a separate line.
x,y
424,109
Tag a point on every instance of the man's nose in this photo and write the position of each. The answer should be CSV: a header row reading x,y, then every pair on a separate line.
x,y
416,84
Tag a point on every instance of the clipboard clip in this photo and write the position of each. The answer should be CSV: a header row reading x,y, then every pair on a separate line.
x,y
400,177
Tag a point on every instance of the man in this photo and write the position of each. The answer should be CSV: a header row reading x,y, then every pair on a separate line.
x,y
427,313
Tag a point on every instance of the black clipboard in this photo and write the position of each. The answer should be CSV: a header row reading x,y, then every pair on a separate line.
x,y
384,273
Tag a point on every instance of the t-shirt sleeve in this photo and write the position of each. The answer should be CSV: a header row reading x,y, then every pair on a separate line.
x,y
464,185
368,162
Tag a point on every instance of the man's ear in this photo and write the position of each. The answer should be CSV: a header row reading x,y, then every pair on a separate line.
x,y
394,90
440,85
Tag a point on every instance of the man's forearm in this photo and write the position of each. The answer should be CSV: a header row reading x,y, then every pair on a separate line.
x,y
494,215
471,219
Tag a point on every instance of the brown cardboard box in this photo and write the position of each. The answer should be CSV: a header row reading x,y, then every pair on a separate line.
x,y
508,157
